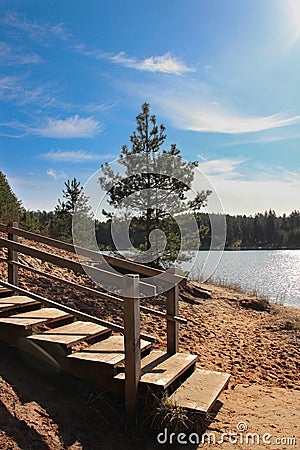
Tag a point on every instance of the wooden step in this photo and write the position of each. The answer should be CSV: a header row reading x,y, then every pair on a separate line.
x,y
108,352
5,292
17,304
71,334
200,391
27,320
100,362
159,369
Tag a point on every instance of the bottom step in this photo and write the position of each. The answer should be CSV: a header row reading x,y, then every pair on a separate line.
x,y
200,391
160,369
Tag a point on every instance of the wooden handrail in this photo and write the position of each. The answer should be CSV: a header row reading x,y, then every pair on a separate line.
x,y
119,263
147,289
95,265
103,295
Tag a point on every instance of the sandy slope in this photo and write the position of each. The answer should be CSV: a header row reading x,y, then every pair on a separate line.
x,y
261,349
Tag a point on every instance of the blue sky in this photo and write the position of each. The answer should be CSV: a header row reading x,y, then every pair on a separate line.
x,y
222,75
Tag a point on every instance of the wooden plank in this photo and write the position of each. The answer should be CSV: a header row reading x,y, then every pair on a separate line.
x,y
118,263
98,274
71,334
38,317
42,239
74,312
100,294
132,340
17,302
110,351
44,256
200,391
172,327
5,292
161,369
12,256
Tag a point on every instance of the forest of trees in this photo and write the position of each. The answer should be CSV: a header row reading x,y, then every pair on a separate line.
x,y
261,231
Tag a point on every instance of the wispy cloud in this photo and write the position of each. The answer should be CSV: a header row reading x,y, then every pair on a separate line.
x,y
204,118
16,56
18,90
166,63
35,30
97,107
71,127
262,139
225,167
192,106
55,175
74,156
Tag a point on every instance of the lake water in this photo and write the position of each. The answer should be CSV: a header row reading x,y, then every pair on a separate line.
x,y
273,273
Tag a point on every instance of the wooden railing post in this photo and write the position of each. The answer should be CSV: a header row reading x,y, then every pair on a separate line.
x,y
132,341
12,256
172,310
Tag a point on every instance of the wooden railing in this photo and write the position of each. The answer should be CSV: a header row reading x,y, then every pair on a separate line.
x,y
131,285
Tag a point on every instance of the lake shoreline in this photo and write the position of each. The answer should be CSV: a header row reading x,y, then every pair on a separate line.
x,y
238,249
270,273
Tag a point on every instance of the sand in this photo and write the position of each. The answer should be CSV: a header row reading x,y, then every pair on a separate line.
x,y
261,350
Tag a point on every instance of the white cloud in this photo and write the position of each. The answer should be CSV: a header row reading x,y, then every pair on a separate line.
x,y
163,63
222,167
16,89
71,127
74,156
35,30
204,118
56,176
8,82
277,189
16,57
191,106
97,107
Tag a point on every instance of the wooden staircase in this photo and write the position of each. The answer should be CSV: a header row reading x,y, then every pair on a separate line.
x,y
93,353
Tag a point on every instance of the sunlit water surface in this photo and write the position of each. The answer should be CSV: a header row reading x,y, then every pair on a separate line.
x,y
273,273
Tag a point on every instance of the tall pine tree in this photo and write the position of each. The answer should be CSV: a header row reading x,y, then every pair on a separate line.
x,y
154,185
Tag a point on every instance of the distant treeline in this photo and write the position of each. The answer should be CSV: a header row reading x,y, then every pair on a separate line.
x,y
263,230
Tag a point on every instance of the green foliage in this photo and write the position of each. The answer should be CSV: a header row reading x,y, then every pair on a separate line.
x,y
154,183
65,209
263,230
30,222
10,206
166,414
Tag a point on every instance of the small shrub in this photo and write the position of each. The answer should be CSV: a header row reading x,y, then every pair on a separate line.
x,y
169,415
